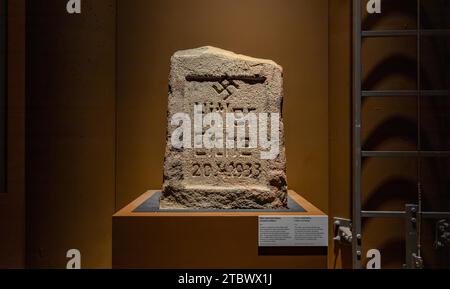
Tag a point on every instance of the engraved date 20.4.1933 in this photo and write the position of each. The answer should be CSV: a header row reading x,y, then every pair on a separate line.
x,y
227,169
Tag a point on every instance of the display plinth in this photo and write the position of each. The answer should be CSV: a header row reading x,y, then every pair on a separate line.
x,y
144,237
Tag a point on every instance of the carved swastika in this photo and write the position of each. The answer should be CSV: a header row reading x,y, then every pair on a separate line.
x,y
226,85
229,86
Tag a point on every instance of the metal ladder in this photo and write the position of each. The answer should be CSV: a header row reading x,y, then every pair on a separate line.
x,y
413,213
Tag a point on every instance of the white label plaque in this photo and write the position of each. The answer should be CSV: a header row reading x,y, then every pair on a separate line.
x,y
293,231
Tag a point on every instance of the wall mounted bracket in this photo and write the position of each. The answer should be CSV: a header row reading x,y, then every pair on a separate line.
x,y
442,239
417,261
342,231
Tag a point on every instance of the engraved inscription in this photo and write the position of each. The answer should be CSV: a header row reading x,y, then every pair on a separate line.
x,y
227,169
210,107
225,132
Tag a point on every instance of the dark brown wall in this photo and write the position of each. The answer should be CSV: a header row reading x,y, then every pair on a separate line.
x,y
340,120
293,33
70,132
12,202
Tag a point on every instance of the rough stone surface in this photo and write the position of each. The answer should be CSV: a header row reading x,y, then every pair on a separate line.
x,y
223,178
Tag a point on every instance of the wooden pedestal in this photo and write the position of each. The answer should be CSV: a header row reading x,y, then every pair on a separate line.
x,y
204,240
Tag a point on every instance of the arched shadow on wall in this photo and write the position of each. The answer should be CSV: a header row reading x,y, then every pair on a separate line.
x,y
400,126
395,64
406,129
395,126
395,188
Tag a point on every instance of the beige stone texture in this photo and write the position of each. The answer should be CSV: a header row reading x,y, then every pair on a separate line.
x,y
223,178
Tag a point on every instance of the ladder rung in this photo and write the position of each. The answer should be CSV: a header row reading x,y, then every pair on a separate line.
x,y
436,215
369,93
388,33
411,32
383,214
390,154
435,92
435,32
402,214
